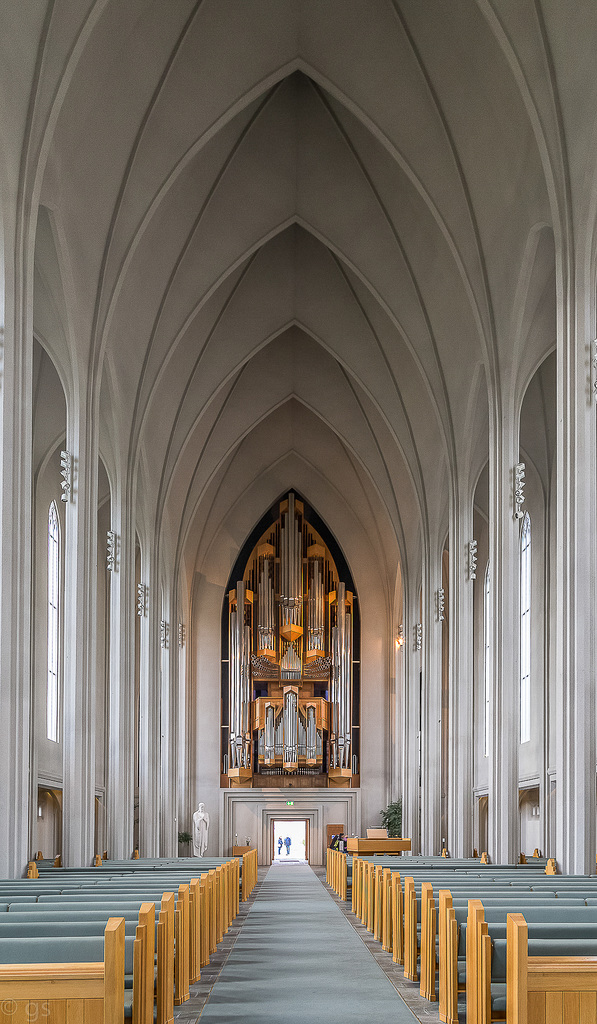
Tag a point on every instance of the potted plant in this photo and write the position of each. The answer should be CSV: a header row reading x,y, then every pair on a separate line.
x,y
184,838
391,819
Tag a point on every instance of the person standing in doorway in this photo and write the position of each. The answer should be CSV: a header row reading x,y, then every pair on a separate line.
x,y
280,845
287,843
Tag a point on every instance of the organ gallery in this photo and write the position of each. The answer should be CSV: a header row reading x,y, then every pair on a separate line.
x,y
290,685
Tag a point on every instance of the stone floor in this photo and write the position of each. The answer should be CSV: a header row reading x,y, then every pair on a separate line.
x,y
191,1010
425,1011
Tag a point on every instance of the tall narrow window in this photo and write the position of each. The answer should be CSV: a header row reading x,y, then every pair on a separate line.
x,y
487,662
525,630
53,622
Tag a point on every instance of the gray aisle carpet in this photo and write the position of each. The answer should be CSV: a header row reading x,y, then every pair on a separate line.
x,y
297,958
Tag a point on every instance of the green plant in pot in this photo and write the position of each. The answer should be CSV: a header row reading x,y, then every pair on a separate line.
x,y
391,819
184,837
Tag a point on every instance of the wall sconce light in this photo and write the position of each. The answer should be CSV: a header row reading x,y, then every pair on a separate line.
x,y
111,544
400,636
519,490
182,634
66,462
141,599
164,634
472,560
441,604
418,634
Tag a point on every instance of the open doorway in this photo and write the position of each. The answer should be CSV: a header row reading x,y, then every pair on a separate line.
x,y
290,841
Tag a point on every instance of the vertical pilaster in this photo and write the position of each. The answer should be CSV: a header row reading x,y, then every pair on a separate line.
x,y
504,543
575,584
121,712
168,702
460,742
410,747
149,718
431,715
16,569
80,594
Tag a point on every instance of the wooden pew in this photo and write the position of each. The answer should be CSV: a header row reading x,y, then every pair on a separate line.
x,y
69,992
547,990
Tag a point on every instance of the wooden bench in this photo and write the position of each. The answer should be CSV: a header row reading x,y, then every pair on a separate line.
x,y
70,991
544,951
547,989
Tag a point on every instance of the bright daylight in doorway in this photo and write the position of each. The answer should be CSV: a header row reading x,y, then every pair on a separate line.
x,y
290,840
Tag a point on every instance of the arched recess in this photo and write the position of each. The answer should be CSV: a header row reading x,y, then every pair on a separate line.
x,y
303,645
482,665
537,452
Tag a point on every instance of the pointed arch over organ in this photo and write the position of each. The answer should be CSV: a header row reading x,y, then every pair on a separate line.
x,y
290,656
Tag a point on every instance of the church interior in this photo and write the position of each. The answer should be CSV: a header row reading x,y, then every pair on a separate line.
x,y
298,404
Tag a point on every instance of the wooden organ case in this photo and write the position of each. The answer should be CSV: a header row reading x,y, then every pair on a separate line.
x,y
291,663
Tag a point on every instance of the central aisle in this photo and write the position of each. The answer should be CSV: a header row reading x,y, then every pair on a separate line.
x,y
297,958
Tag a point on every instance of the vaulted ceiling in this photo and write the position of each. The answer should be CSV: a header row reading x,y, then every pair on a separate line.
x,y
285,238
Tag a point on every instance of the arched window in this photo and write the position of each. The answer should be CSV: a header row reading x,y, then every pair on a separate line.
x,y
525,630
487,648
53,622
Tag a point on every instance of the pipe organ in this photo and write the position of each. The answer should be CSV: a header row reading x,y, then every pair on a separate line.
x,y
290,666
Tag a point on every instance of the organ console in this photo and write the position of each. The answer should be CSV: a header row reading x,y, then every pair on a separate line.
x,y
290,665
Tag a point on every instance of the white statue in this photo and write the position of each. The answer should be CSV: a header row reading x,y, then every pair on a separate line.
x,y
200,831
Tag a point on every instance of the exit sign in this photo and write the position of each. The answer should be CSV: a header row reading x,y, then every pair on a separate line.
x,y
290,803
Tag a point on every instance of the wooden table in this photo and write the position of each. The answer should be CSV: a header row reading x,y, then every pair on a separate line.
x,y
391,846
237,851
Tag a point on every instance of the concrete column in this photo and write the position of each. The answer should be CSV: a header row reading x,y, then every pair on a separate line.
x,y
168,719
410,746
460,742
431,714
121,711
80,590
16,571
575,584
504,545
149,718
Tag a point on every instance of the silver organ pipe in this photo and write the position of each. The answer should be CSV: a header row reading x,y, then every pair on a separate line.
x,y
290,728
265,628
240,684
315,638
269,751
279,736
334,699
344,677
233,692
311,734
302,736
291,558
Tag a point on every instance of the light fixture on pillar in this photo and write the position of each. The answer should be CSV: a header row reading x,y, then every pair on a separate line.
x,y
141,600
111,544
519,490
182,634
418,632
164,634
441,604
472,560
66,461
595,368
400,636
